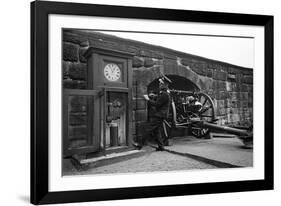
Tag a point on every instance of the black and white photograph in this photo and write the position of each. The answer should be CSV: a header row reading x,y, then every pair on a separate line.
x,y
133,102
148,102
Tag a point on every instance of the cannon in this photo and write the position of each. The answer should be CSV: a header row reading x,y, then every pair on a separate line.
x,y
196,112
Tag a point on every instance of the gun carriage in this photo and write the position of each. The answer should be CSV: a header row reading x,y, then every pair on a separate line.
x,y
195,111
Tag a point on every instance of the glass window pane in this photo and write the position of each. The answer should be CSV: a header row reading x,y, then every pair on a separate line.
x,y
79,116
116,119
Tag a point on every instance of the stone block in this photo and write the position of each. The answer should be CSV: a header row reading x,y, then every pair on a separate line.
x,y
139,128
200,82
139,104
248,79
170,67
234,96
140,115
106,44
144,53
247,71
244,104
235,118
232,110
186,62
65,66
244,96
220,75
204,83
246,114
74,84
232,103
148,62
228,86
137,62
210,92
221,111
209,73
239,78
250,88
133,129
170,56
78,71
216,94
190,75
217,67
223,95
219,85
231,77
144,76
141,90
136,76
157,55
233,70
210,66
244,87
82,51
70,52
132,49
220,104
65,69
85,44
75,39
250,101
208,83
231,86
200,68
158,62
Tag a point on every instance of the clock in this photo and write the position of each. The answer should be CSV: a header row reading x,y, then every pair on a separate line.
x,y
112,72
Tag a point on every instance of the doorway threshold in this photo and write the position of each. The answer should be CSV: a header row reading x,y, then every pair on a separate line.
x,y
110,156
84,163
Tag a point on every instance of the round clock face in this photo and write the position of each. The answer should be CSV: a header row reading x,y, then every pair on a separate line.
x,y
112,72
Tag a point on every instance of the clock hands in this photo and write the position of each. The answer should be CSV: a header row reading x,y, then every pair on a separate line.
x,y
112,72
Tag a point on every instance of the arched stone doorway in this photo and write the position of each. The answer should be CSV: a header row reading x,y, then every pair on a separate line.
x,y
178,83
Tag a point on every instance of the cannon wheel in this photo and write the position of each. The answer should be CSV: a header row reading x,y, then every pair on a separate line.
x,y
207,114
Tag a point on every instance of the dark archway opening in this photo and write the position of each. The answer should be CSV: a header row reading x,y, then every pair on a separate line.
x,y
178,83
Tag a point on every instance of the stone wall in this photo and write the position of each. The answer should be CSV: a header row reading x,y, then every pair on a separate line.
x,y
230,86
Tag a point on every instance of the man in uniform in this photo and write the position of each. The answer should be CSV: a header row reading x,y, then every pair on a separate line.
x,y
155,125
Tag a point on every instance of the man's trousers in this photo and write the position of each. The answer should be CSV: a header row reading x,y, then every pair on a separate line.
x,y
152,130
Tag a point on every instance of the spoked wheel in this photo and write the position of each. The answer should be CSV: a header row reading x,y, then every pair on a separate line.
x,y
206,114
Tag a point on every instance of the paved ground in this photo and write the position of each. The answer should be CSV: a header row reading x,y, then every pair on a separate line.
x,y
227,150
185,154
152,161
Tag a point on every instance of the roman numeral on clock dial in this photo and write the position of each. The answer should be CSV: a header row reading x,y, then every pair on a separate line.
x,y
112,72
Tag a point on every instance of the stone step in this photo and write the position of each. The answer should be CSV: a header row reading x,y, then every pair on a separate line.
x,y
109,156
83,163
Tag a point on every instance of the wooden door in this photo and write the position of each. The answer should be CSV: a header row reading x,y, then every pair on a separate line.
x,y
81,120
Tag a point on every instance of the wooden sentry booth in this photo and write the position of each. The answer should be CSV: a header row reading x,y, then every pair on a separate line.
x,y
98,118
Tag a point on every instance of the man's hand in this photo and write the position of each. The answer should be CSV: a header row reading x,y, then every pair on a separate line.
x,y
146,97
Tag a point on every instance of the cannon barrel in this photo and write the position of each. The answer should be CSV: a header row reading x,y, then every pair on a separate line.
x,y
244,135
239,132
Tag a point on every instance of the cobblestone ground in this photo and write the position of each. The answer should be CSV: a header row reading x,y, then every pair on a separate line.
x,y
153,161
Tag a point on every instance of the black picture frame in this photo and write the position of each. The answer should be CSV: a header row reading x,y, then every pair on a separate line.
x,y
40,108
